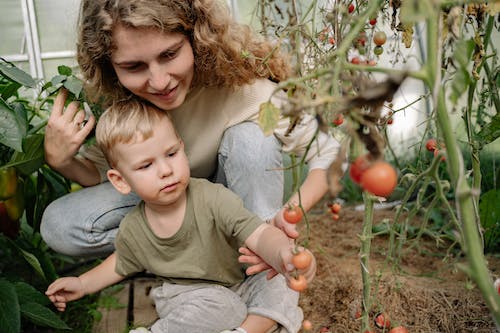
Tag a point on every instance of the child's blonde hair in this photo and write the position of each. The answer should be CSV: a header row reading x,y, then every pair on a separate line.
x,y
125,122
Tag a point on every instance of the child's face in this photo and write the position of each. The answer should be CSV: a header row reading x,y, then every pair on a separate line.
x,y
157,169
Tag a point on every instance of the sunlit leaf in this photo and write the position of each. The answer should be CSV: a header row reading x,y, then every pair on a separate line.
x,y
269,115
17,75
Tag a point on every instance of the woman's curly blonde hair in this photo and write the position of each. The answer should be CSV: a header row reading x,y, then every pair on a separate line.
x,y
227,54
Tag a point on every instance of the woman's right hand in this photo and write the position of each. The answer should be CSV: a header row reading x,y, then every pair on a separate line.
x,y
65,132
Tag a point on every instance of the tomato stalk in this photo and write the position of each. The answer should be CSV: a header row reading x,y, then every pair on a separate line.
x,y
364,257
464,196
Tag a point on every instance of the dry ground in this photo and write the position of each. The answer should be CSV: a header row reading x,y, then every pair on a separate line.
x,y
428,294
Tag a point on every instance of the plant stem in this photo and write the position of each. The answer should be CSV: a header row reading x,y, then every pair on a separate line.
x,y
366,238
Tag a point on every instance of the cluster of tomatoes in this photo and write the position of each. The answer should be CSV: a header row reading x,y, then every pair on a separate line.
x,y
301,258
335,209
376,177
433,146
11,201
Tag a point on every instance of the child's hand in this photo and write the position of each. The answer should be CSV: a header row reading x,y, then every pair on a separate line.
x,y
301,268
65,290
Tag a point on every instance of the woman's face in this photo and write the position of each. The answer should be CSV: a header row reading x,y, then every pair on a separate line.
x,y
153,65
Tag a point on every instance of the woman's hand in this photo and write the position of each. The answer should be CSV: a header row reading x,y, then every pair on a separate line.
x,y
65,132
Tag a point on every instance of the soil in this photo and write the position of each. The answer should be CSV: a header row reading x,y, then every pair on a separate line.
x,y
425,292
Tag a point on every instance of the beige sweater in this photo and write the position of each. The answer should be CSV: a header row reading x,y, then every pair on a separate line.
x,y
207,112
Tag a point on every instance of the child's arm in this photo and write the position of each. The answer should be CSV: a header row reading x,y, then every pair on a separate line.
x,y
275,248
68,289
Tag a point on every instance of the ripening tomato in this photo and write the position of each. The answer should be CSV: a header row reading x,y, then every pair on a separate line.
x,y
307,325
292,214
390,121
436,153
382,321
339,120
379,38
8,182
335,217
379,179
335,207
331,40
373,21
298,284
301,260
360,164
378,50
431,145
399,329
355,60
351,8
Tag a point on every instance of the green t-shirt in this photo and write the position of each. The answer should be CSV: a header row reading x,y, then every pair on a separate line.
x,y
204,249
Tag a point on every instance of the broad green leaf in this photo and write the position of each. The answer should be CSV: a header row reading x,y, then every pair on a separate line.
x,y
17,75
32,156
42,316
463,52
461,81
269,115
74,85
11,132
27,293
64,70
489,212
10,319
9,89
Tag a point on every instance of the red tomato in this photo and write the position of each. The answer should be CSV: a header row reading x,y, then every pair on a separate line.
x,y
355,60
379,38
431,145
390,121
339,120
351,8
399,329
373,21
357,168
335,208
307,325
292,214
298,284
301,260
331,40
335,217
436,152
382,321
379,179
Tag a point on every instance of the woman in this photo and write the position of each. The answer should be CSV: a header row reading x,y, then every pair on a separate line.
x,y
191,59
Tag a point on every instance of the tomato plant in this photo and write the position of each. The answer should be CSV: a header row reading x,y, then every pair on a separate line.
x,y
298,283
301,260
292,214
379,179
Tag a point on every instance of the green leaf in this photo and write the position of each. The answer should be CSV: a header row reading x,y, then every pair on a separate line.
x,y
74,85
490,131
269,115
460,83
10,319
33,261
33,156
9,89
27,293
17,75
64,70
489,212
42,316
11,130
58,79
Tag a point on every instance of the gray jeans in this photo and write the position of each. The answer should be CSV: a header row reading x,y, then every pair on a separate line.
x,y
84,223
206,308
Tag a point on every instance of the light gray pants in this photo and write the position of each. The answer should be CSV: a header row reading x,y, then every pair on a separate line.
x,y
85,223
207,308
